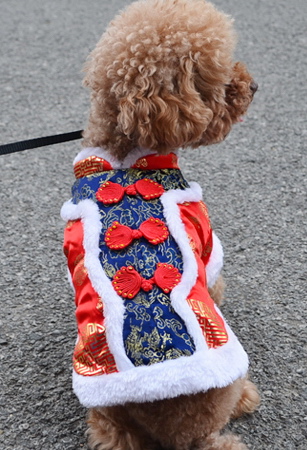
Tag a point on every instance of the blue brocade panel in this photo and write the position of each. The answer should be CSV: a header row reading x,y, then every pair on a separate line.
x,y
153,331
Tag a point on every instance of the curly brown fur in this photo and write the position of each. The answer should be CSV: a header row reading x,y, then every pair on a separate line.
x,y
115,428
248,402
162,77
182,423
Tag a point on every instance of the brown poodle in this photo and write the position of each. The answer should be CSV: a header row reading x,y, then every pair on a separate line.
x,y
161,78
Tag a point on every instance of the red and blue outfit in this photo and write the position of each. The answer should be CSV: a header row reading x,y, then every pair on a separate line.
x,y
141,253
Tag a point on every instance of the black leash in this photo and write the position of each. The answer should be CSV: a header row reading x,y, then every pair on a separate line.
x,y
39,142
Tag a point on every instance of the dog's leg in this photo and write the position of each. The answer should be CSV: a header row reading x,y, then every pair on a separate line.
x,y
217,291
192,422
249,401
113,429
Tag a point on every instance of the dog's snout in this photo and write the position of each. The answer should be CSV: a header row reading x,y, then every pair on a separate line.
x,y
253,87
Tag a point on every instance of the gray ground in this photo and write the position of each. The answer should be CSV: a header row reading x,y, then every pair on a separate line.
x,y
254,185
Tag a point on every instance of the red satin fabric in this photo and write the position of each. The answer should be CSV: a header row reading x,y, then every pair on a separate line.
x,y
92,355
155,162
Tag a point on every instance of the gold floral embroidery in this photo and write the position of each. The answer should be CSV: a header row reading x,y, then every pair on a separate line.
x,y
192,243
109,269
151,346
204,210
142,162
80,272
70,223
206,251
195,220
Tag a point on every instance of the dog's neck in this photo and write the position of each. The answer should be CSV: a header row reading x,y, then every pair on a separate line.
x,y
129,161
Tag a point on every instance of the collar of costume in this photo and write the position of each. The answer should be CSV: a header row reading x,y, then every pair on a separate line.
x,y
95,163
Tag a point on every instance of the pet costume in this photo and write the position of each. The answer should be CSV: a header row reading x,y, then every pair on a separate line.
x,y
141,254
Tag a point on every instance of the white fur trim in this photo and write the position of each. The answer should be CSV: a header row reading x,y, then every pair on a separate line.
x,y
215,263
171,211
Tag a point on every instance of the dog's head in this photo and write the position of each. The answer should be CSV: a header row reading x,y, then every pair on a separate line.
x,y
162,77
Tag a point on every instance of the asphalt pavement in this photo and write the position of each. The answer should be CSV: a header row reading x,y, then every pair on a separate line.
x,y
254,185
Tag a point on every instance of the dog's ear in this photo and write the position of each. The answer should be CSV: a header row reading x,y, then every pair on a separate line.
x,y
164,116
